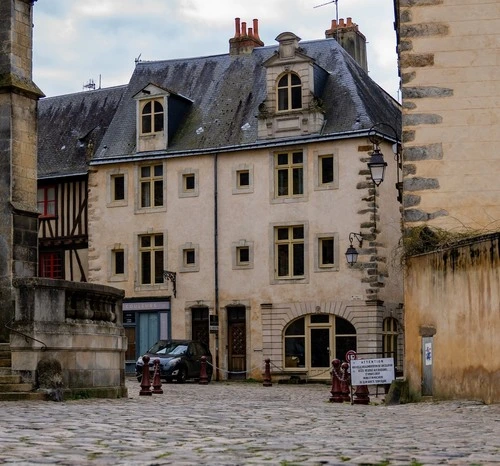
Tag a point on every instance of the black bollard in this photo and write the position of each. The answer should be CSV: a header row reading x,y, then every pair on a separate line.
x,y
267,373
145,382
203,371
156,378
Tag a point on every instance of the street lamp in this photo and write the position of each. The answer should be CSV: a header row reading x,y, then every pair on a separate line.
x,y
351,254
377,164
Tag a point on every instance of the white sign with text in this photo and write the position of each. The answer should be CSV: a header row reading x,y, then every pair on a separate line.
x,y
372,371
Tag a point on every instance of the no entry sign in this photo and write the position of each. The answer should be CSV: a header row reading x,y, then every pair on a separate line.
x,y
372,371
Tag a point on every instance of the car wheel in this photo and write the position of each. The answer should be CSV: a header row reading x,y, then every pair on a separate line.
x,y
181,375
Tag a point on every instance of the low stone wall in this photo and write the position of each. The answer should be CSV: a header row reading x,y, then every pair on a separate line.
x,y
77,324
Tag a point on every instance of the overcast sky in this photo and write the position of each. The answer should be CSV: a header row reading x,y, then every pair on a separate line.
x,y
77,41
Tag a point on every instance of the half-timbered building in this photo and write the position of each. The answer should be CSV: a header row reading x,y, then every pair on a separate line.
x,y
70,128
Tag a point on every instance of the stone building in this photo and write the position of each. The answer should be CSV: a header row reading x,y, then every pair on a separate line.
x,y
450,86
224,195
18,172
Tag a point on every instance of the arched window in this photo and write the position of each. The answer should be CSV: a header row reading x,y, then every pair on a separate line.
x,y
289,92
312,341
152,117
390,339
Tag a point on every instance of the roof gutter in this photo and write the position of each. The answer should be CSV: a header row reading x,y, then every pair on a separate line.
x,y
237,147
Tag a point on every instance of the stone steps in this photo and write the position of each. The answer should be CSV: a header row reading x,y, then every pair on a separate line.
x,y
11,386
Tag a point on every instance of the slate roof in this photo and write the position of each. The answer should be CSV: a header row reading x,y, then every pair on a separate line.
x,y
70,127
227,90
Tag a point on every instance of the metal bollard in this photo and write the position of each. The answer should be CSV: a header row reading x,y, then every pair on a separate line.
x,y
156,378
361,395
145,382
336,390
345,382
267,373
203,371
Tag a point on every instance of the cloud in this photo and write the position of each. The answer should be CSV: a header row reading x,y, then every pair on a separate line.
x,y
77,41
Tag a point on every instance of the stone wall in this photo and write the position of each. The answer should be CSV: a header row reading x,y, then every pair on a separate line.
x,y
77,324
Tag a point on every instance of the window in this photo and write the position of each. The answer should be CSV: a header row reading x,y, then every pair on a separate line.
x,y
289,174
242,254
151,259
152,117
188,183
289,252
326,257
189,258
326,169
46,201
312,341
51,265
326,252
117,188
151,186
242,176
390,339
289,92
118,262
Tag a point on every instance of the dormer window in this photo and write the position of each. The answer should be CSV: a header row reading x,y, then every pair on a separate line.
x,y
289,92
152,118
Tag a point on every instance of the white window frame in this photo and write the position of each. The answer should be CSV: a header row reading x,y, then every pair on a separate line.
x,y
138,272
274,278
319,185
112,276
110,199
236,171
318,266
235,249
183,192
275,197
183,250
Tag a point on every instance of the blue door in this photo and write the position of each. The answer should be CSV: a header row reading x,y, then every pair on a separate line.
x,y
149,330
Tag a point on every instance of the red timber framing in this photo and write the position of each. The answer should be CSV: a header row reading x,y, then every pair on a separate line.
x,y
63,224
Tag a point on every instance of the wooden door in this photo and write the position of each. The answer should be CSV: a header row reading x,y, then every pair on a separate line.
x,y
236,342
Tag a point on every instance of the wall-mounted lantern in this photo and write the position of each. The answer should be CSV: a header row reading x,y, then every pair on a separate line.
x,y
351,254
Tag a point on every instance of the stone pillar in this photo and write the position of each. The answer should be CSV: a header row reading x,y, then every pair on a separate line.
x,y
18,153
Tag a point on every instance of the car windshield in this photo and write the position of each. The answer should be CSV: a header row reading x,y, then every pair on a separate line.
x,y
168,347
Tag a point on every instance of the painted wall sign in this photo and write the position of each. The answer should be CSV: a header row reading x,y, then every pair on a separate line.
x,y
428,354
372,371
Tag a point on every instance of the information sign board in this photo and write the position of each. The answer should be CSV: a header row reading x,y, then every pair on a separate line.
x,y
372,371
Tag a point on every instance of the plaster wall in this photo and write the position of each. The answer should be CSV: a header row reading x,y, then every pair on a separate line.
x,y
455,294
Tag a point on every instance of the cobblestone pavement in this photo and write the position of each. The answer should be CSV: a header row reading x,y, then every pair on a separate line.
x,y
246,423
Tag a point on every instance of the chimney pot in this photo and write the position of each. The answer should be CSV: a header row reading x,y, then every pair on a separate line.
x,y
243,28
256,29
341,23
250,32
334,24
237,27
349,21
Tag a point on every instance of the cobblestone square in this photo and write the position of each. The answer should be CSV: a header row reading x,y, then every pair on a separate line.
x,y
246,423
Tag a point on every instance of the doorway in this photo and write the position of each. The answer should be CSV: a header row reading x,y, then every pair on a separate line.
x,y
199,324
236,324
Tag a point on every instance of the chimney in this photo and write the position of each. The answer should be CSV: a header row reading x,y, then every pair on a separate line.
x,y
244,41
349,37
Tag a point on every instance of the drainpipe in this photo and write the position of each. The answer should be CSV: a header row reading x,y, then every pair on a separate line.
x,y
216,264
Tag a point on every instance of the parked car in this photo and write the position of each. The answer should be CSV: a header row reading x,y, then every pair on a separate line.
x,y
179,360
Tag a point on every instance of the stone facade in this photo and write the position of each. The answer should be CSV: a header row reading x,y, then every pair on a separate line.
x,y
18,171
450,86
450,82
